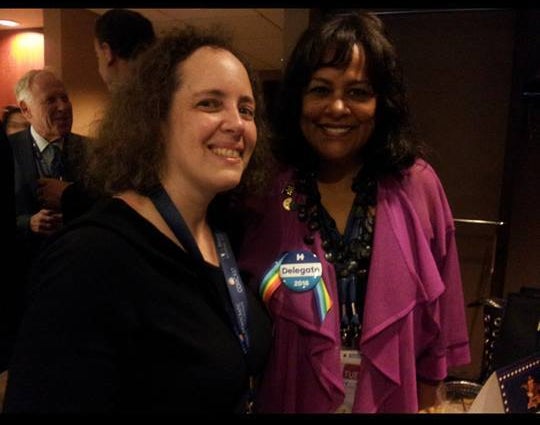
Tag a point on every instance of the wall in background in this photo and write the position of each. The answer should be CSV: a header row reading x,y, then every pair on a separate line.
x,y
522,171
20,51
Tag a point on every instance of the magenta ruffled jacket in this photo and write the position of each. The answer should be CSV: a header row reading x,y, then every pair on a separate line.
x,y
414,321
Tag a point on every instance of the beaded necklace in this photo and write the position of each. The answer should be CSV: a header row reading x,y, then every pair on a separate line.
x,y
349,253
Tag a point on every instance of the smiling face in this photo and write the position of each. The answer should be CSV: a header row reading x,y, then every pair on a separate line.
x,y
210,131
338,111
48,108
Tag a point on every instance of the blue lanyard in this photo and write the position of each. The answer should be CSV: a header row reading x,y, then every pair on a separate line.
x,y
235,287
352,254
350,323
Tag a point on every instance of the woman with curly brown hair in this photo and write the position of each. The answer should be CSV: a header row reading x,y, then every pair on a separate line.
x,y
138,306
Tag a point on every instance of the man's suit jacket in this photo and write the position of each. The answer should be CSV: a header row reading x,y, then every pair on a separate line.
x,y
26,176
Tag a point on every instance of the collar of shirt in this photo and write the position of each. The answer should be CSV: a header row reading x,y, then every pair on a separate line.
x,y
41,142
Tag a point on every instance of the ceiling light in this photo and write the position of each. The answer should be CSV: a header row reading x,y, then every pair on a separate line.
x,y
8,23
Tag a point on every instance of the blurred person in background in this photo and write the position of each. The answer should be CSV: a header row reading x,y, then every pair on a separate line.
x,y
47,149
120,36
13,120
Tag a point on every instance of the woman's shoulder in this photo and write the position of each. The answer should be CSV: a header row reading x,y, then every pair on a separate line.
x,y
87,254
421,178
83,249
422,171
105,230
425,192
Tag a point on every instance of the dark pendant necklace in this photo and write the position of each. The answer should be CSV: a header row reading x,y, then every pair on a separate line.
x,y
350,253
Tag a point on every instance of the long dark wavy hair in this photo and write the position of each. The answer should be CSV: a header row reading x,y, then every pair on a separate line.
x,y
392,147
128,151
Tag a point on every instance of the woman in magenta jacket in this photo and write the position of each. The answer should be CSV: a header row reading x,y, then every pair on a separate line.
x,y
353,247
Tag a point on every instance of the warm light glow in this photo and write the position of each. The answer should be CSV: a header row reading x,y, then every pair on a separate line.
x,y
7,23
28,49
20,51
28,40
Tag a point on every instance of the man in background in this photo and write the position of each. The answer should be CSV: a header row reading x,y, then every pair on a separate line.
x,y
47,149
120,35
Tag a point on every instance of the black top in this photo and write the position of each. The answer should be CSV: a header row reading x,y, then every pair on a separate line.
x,y
122,320
11,288
76,200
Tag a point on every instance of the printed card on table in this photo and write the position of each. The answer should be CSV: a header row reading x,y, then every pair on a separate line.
x,y
520,385
511,389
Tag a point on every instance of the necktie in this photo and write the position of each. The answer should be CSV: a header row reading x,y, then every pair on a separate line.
x,y
55,155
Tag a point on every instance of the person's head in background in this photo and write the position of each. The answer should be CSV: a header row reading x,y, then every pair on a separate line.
x,y
13,120
45,103
120,35
189,95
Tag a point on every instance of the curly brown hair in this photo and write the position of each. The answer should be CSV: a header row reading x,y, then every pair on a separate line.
x,y
128,151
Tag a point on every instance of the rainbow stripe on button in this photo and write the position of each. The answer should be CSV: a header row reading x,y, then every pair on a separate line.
x,y
272,281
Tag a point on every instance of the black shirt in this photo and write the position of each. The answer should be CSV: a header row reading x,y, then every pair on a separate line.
x,y
123,320
12,284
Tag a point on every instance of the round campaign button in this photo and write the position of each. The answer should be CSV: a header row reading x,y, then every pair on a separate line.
x,y
300,270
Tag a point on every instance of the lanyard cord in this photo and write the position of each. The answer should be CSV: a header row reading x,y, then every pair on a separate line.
x,y
235,289
234,284
351,306
233,281
351,254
